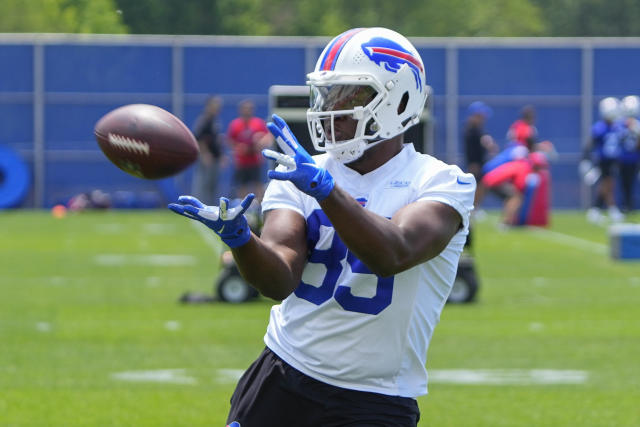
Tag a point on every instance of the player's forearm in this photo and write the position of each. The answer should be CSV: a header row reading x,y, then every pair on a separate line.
x,y
265,269
379,243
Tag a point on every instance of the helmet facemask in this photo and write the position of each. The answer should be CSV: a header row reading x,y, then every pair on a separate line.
x,y
349,98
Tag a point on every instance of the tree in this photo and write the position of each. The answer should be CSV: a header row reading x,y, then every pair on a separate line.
x,y
60,16
410,17
413,18
171,16
594,18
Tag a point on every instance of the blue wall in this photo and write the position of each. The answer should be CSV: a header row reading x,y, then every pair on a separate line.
x,y
71,83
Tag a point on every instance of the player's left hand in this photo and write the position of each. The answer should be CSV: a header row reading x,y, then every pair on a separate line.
x,y
226,221
302,170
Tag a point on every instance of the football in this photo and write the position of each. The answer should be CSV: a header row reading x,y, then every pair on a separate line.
x,y
146,141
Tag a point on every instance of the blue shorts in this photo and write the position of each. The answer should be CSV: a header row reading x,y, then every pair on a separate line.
x,y
272,393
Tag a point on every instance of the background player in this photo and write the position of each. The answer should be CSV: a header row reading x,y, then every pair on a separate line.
x,y
361,244
479,145
523,130
521,180
629,149
603,151
211,144
248,135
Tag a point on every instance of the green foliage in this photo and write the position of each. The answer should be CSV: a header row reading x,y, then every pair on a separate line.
x,y
331,17
411,18
596,18
502,18
171,16
430,18
60,16
244,17
445,18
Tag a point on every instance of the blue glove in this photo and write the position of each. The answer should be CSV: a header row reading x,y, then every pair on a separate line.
x,y
302,170
228,222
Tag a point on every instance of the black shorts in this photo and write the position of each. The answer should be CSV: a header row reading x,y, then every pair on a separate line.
x,y
607,167
272,393
248,175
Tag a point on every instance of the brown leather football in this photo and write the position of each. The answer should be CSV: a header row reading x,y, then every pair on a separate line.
x,y
146,141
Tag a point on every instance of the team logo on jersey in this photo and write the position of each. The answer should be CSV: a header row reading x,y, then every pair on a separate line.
x,y
390,55
362,201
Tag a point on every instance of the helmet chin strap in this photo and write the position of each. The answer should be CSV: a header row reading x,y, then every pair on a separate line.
x,y
349,153
354,151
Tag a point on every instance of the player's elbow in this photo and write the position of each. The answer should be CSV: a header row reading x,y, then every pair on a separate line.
x,y
386,271
401,260
388,266
275,289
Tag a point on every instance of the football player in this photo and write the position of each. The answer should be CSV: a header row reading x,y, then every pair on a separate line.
x,y
361,244
629,148
523,131
520,180
603,151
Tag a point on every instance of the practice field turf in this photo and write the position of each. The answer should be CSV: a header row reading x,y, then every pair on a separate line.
x,y
92,333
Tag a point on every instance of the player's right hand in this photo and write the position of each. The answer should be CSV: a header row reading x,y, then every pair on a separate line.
x,y
301,169
226,221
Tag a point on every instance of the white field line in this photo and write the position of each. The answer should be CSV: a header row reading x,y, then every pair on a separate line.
x,y
157,260
172,325
151,228
43,326
148,228
471,376
567,240
507,376
172,376
440,376
209,237
228,376
109,228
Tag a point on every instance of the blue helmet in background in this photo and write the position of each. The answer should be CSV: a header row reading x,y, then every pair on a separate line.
x,y
479,107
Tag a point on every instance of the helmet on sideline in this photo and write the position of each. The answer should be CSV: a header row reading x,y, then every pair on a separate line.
x,y
609,108
630,106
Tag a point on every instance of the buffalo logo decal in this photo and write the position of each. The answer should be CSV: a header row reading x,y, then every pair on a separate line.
x,y
390,55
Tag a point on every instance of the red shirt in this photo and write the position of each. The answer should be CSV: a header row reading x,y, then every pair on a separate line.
x,y
522,132
243,137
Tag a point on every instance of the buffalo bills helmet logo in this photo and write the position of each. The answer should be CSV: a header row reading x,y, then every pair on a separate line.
x,y
390,55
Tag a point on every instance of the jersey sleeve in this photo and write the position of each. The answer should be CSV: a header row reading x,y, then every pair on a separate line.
x,y
282,195
598,129
452,187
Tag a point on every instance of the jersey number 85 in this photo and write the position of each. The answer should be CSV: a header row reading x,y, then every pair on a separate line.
x,y
332,258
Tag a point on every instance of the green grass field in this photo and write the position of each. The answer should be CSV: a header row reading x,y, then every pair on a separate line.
x,y
92,334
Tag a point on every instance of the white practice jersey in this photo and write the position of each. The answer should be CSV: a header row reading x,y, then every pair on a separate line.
x,y
344,325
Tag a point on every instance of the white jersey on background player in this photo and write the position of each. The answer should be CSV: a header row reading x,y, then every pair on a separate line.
x,y
316,336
